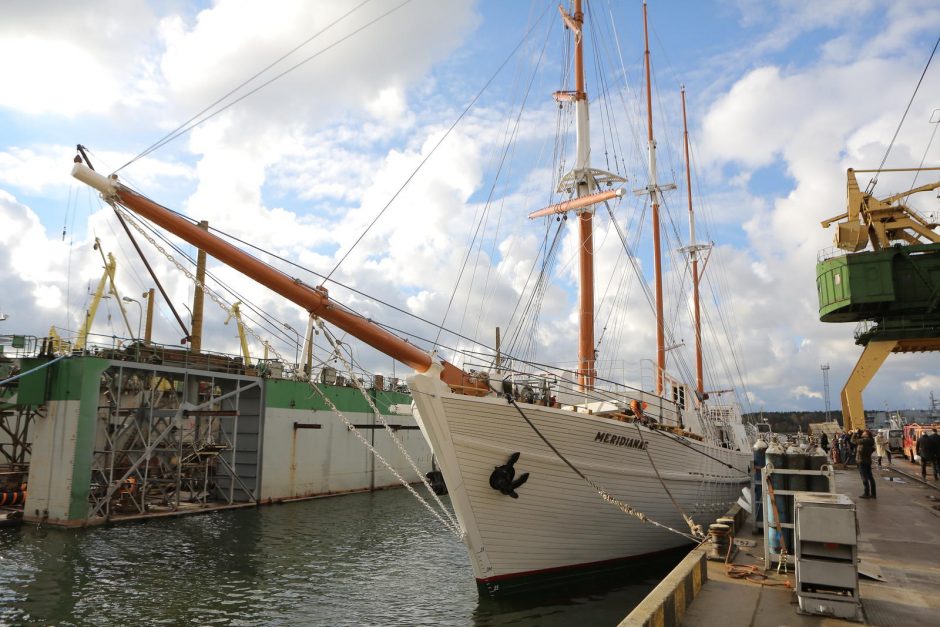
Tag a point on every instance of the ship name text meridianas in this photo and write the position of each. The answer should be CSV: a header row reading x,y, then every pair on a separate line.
x,y
619,440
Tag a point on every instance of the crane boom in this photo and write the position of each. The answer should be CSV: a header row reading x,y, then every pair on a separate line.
x,y
315,300
880,221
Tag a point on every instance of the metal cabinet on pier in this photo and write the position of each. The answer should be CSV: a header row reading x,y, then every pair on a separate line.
x,y
780,485
826,538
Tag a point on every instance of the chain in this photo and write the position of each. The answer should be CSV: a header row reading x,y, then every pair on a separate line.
x,y
694,529
626,508
381,418
450,527
450,524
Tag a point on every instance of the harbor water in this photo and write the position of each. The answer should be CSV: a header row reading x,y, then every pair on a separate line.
x,y
365,559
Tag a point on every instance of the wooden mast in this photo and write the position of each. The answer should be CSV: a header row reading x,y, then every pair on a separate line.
x,y
586,359
693,256
654,190
582,182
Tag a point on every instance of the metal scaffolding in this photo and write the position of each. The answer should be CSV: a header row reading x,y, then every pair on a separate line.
x,y
170,439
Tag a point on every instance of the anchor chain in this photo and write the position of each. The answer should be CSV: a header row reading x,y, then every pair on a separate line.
x,y
381,418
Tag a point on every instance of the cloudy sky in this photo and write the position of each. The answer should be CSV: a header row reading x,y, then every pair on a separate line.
x,y
783,96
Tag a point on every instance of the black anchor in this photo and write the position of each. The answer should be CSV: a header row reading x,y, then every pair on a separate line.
x,y
503,476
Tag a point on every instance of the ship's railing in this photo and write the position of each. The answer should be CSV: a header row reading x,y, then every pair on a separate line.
x,y
117,348
558,386
13,345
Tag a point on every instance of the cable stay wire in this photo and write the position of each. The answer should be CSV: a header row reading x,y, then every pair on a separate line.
x,y
479,231
874,180
199,117
440,141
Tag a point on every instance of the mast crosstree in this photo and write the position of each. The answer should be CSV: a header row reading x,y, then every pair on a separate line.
x,y
582,182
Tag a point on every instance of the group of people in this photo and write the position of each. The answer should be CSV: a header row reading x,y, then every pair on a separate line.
x,y
866,446
844,450
928,448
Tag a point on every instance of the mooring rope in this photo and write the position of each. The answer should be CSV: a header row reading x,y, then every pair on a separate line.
x,y
604,494
694,528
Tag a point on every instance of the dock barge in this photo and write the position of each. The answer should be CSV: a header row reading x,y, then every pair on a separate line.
x,y
145,430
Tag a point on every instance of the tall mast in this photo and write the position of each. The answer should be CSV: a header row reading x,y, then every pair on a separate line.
x,y
653,190
586,369
582,181
693,256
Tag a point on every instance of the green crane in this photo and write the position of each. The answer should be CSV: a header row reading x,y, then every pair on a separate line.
x,y
892,290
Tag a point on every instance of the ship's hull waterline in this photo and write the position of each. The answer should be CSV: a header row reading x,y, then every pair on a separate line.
x,y
559,523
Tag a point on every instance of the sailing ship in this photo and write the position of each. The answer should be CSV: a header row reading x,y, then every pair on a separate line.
x,y
550,472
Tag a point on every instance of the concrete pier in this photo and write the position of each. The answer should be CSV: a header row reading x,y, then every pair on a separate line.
x,y
899,564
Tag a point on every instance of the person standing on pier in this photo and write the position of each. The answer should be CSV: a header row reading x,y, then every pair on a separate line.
x,y
921,448
864,447
930,452
882,448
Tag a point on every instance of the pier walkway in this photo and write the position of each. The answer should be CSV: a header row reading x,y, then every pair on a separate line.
x,y
899,545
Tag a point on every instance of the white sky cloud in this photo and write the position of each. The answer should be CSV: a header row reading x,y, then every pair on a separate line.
x,y
303,166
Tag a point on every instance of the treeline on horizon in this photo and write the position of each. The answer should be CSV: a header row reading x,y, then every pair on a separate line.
x,y
792,421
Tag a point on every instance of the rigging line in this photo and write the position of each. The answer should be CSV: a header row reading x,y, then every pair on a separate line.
x,y
275,324
598,76
272,325
438,144
194,121
381,418
502,162
153,274
924,157
545,254
646,289
721,279
874,180
299,267
627,86
734,356
687,445
688,519
486,304
483,308
624,507
344,286
549,260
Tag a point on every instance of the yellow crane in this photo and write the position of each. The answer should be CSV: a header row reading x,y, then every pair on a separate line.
x,y
881,221
234,312
107,280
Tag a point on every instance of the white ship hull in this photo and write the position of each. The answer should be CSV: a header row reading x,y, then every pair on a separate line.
x,y
559,522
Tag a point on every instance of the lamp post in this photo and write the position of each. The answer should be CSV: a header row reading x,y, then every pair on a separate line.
x,y
140,312
296,347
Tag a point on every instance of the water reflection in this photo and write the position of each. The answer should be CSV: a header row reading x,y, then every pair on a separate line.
x,y
369,559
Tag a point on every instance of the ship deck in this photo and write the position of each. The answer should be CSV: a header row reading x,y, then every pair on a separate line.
x,y
899,566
